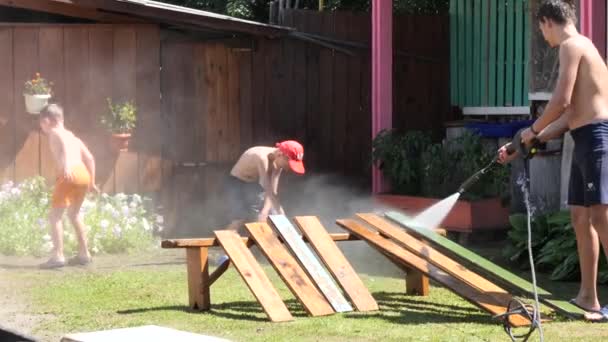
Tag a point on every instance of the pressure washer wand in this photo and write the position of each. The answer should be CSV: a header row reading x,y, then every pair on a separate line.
x,y
474,178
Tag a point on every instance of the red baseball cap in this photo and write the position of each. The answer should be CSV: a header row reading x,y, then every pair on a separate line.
x,y
295,152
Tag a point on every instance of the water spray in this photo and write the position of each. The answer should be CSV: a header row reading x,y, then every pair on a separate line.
x,y
516,307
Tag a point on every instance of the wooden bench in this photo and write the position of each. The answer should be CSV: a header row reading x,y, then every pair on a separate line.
x,y
200,280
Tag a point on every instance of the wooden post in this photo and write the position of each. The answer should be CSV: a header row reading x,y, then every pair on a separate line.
x,y
382,80
416,283
198,277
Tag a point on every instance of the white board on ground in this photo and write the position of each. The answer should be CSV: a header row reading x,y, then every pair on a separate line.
x,y
148,333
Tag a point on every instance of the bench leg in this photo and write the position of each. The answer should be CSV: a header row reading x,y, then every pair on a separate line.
x,y
416,283
198,278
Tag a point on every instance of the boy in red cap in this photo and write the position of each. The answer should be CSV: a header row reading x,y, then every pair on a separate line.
x,y
252,185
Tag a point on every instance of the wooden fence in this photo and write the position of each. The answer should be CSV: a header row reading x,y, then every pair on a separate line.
x,y
490,44
87,63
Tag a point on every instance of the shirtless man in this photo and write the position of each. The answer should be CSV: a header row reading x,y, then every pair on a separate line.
x,y
76,174
257,172
580,104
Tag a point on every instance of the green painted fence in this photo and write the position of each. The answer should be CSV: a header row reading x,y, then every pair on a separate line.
x,y
489,42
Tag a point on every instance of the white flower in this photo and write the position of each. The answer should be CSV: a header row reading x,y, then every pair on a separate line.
x,y
44,201
160,219
136,198
132,220
133,205
46,238
105,196
117,230
47,247
108,207
7,186
42,223
125,210
104,223
95,250
145,224
15,191
120,196
115,213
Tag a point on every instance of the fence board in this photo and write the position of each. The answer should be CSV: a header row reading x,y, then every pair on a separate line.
x,y
519,55
233,127
341,90
477,47
509,52
484,53
326,99
51,48
492,67
454,51
27,160
500,77
246,100
7,112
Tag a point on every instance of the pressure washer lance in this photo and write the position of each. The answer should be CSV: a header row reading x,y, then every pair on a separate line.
x,y
516,307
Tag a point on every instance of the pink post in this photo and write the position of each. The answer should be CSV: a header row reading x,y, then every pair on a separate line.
x,y
382,77
593,23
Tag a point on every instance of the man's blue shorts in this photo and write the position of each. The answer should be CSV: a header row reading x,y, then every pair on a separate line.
x,y
589,174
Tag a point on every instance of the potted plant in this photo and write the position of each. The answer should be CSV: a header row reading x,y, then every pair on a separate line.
x,y
424,173
37,94
120,120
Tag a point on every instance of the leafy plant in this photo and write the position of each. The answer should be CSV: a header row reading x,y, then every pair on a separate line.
x,y
553,245
120,118
38,86
116,224
449,164
399,157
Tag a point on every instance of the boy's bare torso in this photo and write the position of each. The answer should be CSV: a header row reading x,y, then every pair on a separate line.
x,y
253,165
589,102
66,149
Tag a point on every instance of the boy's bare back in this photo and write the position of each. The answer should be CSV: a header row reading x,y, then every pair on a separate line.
x,y
252,166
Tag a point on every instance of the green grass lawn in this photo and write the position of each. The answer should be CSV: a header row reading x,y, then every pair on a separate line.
x,y
124,292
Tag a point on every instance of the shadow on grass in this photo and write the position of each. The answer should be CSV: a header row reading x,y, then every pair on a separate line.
x,y
403,309
241,310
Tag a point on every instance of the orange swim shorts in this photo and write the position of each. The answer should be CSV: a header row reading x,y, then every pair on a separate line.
x,y
69,192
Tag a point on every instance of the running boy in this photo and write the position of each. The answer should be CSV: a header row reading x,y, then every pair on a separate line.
x,y
580,104
75,167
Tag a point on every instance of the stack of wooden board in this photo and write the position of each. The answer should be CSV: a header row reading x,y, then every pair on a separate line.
x,y
298,266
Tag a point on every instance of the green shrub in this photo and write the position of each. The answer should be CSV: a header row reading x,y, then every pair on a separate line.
x,y
116,224
553,245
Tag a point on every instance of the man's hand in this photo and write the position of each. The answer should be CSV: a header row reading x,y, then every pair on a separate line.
x,y
503,155
262,217
527,136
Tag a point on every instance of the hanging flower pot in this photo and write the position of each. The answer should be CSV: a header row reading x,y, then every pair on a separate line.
x,y
35,103
120,141
120,120
37,94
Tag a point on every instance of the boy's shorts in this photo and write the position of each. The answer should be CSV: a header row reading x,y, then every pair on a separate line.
x,y
589,173
243,200
66,192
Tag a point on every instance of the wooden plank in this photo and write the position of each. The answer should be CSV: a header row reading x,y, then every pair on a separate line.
x,y
147,140
469,55
312,140
417,284
50,43
430,254
210,242
101,57
510,53
290,271
308,261
214,113
339,116
7,112
500,74
492,65
483,300
78,116
485,30
454,52
477,47
356,118
253,275
462,60
198,278
300,78
478,262
519,55
336,263
66,9
326,99
126,170
527,41
233,127
246,100
223,98
27,137
258,75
